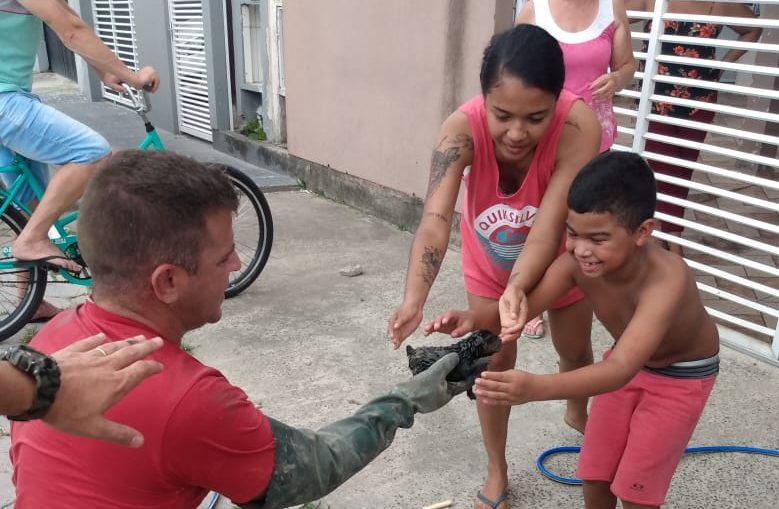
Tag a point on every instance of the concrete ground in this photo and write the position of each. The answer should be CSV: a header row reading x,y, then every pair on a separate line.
x,y
309,346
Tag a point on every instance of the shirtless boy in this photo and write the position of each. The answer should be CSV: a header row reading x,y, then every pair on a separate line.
x,y
652,385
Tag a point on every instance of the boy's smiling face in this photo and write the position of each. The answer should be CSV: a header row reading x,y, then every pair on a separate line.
x,y
599,243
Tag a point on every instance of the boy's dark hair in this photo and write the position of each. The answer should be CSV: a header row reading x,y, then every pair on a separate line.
x,y
620,183
147,208
528,53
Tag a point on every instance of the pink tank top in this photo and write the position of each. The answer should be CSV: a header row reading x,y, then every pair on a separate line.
x,y
494,226
587,56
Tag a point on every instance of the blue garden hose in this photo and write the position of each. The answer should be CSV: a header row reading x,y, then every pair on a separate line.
x,y
690,450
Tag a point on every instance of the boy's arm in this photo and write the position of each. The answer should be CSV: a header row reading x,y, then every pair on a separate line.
x,y
641,338
515,307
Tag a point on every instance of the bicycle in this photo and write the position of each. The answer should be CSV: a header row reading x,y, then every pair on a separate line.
x,y
21,295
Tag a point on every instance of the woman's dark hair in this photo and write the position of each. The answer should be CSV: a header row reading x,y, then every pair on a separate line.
x,y
620,183
528,53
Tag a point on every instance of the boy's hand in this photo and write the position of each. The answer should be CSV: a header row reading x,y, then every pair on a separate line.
x,y
402,323
513,313
511,387
454,322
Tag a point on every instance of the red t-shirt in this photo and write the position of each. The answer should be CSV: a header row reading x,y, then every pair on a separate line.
x,y
201,434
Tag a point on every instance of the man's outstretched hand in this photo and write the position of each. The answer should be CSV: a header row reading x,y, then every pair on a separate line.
x,y
94,375
429,390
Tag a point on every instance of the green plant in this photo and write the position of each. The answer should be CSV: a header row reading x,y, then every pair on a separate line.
x,y
254,131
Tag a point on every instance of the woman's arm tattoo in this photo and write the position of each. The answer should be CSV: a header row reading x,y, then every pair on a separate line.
x,y
444,157
438,216
431,262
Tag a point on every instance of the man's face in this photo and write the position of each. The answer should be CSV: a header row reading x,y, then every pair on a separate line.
x,y
598,242
201,299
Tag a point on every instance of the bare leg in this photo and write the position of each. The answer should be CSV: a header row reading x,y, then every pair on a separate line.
x,y
571,328
65,188
597,495
494,419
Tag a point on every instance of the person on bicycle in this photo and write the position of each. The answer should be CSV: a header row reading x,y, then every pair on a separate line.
x,y
156,232
43,134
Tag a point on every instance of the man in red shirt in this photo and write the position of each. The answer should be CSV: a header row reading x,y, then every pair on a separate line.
x,y
156,231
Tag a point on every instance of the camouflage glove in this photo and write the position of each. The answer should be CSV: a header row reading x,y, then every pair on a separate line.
x,y
429,390
310,464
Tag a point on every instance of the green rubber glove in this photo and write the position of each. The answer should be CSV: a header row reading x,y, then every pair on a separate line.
x,y
310,464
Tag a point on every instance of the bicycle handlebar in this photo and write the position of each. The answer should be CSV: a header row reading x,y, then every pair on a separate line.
x,y
139,98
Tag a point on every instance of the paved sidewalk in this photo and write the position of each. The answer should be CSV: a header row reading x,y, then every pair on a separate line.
x,y
309,346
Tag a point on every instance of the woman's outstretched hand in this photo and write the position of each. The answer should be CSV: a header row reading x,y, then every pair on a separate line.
x,y
454,322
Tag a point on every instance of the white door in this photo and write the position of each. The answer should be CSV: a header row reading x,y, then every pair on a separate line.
x,y
189,66
114,22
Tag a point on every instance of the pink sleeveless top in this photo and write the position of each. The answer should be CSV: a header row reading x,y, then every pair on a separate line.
x,y
587,56
494,226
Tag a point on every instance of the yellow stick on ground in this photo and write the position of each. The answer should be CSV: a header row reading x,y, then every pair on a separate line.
x,y
440,505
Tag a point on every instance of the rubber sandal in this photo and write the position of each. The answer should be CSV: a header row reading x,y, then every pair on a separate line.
x,y
536,328
493,504
45,264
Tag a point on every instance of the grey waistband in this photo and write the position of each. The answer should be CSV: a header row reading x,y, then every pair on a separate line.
x,y
689,369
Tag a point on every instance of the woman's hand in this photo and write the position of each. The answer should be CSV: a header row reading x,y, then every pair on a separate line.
x,y
513,313
403,322
604,86
454,322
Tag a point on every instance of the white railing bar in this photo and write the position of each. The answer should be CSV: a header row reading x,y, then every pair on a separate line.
x,y
632,94
729,257
748,345
715,272
713,128
639,14
723,214
721,234
639,36
728,152
650,67
724,193
713,64
618,110
761,308
722,20
721,43
714,85
740,322
715,170
719,108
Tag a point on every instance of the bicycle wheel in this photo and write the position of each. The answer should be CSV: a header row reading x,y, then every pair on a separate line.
x,y
253,230
21,289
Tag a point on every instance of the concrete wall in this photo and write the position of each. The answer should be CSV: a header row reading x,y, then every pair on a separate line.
x,y
369,82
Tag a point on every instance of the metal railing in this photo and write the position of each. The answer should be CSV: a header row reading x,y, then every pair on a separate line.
x,y
730,216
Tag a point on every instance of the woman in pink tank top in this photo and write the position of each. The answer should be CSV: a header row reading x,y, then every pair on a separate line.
x,y
595,38
516,148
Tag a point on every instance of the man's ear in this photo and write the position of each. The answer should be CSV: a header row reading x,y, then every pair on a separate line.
x,y
644,231
166,282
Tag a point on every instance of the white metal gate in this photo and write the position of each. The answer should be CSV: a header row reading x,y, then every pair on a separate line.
x,y
731,215
114,23
190,68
